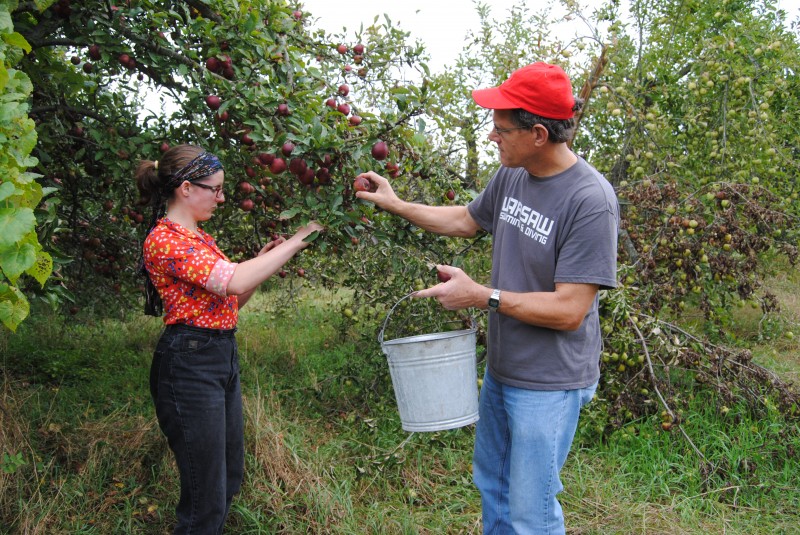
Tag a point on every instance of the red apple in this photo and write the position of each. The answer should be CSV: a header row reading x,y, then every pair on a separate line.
x,y
277,166
287,148
297,14
344,108
87,67
450,194
331,103
246,204
249,171
323,175
380,150
94,52
283,110
344,90
247,140
362,184
75,60
282,274
342,49
224,116
164,147
246,187
266,158
358,49
306,177
301,272
298,166
355,120
442,276
213,102
213,64
124,59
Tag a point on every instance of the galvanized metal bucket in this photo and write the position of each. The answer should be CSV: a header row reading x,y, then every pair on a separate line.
x,y
434,377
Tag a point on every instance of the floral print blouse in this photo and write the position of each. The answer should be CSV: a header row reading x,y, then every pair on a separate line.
x,y
191,275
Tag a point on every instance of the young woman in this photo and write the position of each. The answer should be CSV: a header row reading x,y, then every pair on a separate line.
x,y
194,378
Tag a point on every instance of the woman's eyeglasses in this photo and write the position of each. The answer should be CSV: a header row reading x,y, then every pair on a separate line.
x,y
216,189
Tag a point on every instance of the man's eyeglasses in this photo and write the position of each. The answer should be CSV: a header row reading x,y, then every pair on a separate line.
x,y
501,131
216,189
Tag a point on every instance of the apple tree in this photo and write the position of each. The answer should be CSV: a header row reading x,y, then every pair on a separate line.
x,y
294,115
689,123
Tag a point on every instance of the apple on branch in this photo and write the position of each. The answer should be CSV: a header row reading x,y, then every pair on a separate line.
x,y
380,150
213,102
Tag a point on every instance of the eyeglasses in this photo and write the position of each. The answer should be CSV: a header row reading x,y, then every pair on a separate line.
x,y
216,189
501,131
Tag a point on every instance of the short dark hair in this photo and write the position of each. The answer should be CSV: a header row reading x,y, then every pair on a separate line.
x,y
558,130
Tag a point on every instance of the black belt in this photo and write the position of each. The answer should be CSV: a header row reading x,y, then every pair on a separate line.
x,y
177,327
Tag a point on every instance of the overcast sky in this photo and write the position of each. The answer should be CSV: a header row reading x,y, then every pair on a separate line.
x,y
440,24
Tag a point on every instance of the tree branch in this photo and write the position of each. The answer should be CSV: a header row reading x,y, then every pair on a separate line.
x,y
588,86
40,110
204,10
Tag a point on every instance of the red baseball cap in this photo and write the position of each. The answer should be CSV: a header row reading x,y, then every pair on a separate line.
x,y
539,88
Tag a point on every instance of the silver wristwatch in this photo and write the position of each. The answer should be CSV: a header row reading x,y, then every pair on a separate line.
x,y
494,300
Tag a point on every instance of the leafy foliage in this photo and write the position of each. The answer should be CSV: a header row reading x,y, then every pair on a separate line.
x,y
243,79
20,250
686,107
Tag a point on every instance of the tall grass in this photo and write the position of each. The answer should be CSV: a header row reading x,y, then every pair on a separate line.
x,y
325,451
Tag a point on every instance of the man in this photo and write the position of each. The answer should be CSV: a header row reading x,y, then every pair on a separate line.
x,y
553,220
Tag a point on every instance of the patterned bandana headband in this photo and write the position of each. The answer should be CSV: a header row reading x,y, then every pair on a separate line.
x,y
203,165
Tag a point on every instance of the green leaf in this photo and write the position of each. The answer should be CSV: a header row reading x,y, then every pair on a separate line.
x,y
3,76
6,24
14,308
15,223
14,261
16,39
289,214
42,267
48,190
311,237
7,189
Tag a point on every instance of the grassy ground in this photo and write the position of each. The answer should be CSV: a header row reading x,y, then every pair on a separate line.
x,y
325,452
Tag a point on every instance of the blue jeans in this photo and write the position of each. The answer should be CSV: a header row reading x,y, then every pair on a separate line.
x,y
521,443
194,381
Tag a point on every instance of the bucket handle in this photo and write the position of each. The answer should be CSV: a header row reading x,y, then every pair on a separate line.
x,y
391,310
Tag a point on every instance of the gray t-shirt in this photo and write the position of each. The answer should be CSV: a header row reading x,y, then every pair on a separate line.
x,y
561,228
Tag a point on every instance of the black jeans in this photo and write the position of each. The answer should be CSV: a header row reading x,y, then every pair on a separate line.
x,y
194,381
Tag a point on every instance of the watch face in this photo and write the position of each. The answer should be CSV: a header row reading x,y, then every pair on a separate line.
x,y
494,300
